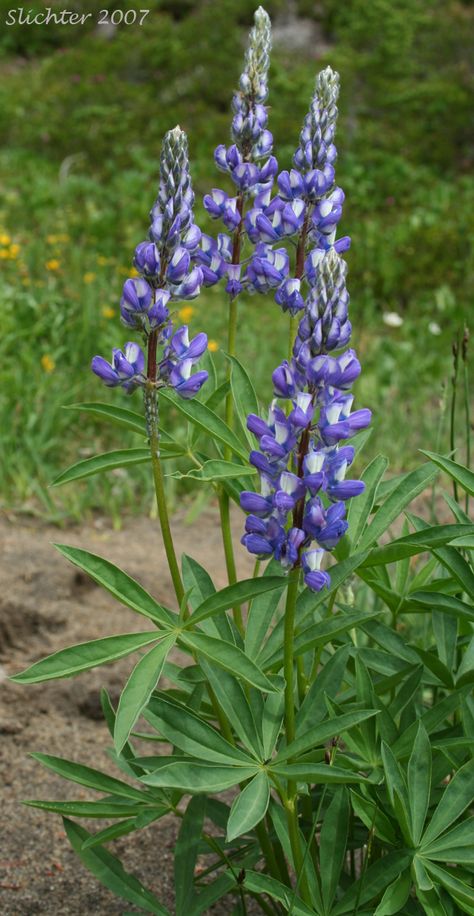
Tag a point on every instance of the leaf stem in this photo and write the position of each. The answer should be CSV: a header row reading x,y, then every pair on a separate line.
x,y
288,666
454,380
224,511
224,503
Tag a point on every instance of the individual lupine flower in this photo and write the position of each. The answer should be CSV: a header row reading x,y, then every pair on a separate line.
x,y
267,269
276,221
314,577
326,526
288,295
126,368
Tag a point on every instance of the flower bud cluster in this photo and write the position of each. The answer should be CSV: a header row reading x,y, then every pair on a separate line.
x,y
300,510
247,161
308,205
168,272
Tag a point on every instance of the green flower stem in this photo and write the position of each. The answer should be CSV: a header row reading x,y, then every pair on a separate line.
x,y
290,610
288,665
452,431
293,327
464,351
224,503
152,419
224,510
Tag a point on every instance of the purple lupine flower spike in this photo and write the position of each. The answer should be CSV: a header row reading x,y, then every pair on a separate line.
x,y
168,273
302,461
252,169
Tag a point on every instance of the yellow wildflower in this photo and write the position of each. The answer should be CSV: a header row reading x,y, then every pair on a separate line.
x,y
101,260
47,363
134,272
26,281
4,254
14,251
53,264
212,346
89,277
5,238
107,311
186,312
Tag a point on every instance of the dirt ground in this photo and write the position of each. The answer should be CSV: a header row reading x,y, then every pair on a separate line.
x,y
47,604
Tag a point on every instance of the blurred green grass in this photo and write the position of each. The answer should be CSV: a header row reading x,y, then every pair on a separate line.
x,y
82,118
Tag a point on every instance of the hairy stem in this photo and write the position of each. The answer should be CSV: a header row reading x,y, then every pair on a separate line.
x,y
151,411
454,381
288,668
224,502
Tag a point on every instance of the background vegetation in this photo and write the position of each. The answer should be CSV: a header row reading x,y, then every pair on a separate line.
x,y
81,119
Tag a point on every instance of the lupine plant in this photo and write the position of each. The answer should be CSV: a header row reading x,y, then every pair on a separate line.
x,y
316,744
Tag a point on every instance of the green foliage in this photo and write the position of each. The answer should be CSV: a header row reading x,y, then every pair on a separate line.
x,y
72,114
346,738
382,756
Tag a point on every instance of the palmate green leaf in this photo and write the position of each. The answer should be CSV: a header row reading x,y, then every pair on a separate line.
x,y
244,395
321,733
258,883
227,656
328,681
120,416
419,782
360,508
372,882
373,817
315,772
87,808
191,734
196,777
118,583
332,846
432,719
233,701
261,611
196,578
138,689
207,421
216,469
457,796
110,871
433,663
450,558
395,896
318,634
272,720
121,828
410,545
410,486
461,892
91,778
250,807
446,604
462,475
463,543
397,792
185,854
455,845
71,661
236,594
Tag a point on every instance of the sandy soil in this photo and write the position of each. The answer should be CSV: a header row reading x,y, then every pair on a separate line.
x,y
46,604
